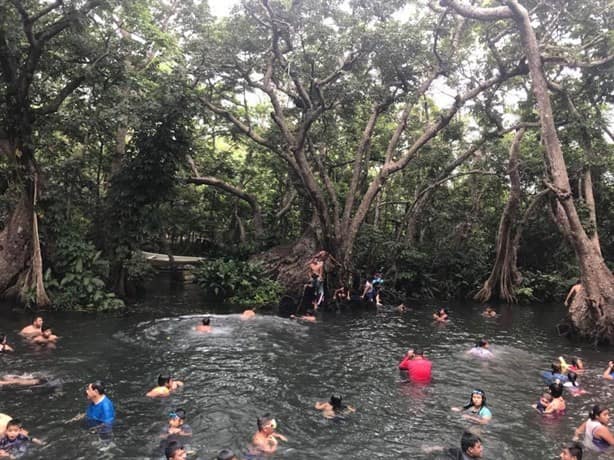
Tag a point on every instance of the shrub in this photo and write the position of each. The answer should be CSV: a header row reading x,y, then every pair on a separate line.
x,y
238,282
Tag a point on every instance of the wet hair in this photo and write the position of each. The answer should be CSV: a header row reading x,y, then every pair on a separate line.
x,y
556,368
442,310
163,379
263,420
572,376
98,386
556,389
575,450
481,343
577,362
596,411
35,317
469,440
206,321
418,352
336,402
225,454
3,339
45,328
477,391
13,422
177,413
171,448
547,396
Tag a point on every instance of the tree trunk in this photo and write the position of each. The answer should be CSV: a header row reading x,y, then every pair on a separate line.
x,y
591,314
504,277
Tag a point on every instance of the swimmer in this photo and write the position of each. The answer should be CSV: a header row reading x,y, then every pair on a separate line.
x,y
489,312
573,386
309,316
47,337
471,447
419,369
543,402
556,373
402,308
176,425
205,326
20,380
481,349
596,434
441,315
477,410
34,329
265,439
557,405
175,451
572,452
15,439
248,314
334,407
404,364
227,454
609,371
166,385
4,345
577,365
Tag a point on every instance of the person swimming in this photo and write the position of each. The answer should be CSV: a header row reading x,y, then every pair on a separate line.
x,y
441,315
17,381
489,312
334,407
572,384
166,385
4,344
481,350
543,402
597,436
557,405
205,326
476,410
556,373
265,439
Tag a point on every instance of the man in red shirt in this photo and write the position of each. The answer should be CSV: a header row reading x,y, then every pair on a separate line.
x,y
419,368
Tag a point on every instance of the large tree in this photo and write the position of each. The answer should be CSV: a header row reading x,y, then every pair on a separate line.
x,y
344,89
44,58
592,312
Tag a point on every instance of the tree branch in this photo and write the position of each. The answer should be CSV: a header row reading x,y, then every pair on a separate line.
x,y
484,14
54,105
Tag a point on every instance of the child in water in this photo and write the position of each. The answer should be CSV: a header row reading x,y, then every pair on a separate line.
x,y
544,401
176,425
334,407
15,441
572,384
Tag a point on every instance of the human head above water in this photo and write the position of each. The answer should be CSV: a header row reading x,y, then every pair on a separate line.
x,y
37,321
598,411
482,343
572,452
470,441
336,402
206,321
97,386
556,389
164,380
556,367
174,450
177,413
266,421
477,392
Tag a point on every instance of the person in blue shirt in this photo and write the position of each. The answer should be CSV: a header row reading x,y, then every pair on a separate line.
x,y
100,410
555,374
609,371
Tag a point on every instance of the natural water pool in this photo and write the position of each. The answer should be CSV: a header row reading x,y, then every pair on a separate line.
x,y
270,364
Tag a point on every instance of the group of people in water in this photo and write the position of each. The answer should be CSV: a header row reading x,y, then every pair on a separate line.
x,y
100,412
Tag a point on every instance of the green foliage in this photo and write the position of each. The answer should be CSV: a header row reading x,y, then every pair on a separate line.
x,y
238,282
77,281
543,287
138,270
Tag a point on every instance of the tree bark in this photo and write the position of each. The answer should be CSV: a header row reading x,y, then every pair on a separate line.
x,y
504,277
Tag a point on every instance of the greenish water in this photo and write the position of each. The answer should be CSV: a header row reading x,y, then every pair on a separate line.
x,y
246,368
